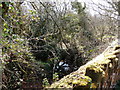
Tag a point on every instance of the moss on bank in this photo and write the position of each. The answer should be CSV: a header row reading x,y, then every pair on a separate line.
x,y
93,73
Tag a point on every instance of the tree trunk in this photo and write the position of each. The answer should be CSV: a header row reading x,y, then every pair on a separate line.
x,y
0,47
3,11
119,19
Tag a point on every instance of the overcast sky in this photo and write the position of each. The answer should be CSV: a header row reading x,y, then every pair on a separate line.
x,y
92,6
89,4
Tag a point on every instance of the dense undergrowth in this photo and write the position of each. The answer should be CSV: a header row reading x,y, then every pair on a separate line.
x,y
45,44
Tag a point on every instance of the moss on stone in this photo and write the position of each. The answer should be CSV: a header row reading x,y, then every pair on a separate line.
x,y
92,72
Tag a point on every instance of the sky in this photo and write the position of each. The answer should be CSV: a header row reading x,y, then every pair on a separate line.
x,y
89,4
